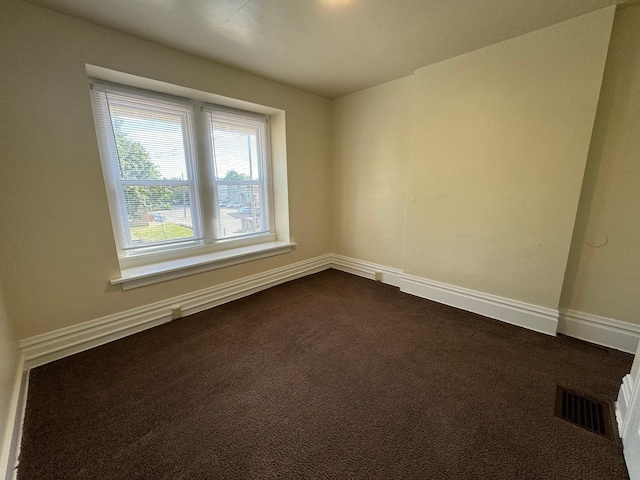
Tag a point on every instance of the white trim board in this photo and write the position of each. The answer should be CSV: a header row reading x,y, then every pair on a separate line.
x,y
372,271
600,330
533,317
624,402
58,344
10,448
628,417
141,276
61,343
603,331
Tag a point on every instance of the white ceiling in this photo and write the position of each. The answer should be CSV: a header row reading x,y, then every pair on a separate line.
x,y
328,47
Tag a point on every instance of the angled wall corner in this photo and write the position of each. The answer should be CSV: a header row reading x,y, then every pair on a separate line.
x,y
604,262
500,144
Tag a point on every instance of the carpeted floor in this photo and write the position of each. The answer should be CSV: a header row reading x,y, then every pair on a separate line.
x,y
329,376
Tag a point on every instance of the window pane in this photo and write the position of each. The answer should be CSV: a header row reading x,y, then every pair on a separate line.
x,y
241,210
150,142
158,214
235,150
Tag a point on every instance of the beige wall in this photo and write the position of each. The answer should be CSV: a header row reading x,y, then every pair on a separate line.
x,y
9,356
603,274
371,147
487,182
501,142
467,172
58,252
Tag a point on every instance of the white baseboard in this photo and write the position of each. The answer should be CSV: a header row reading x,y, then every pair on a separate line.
x,y
51,346
600,330
61,343
603,331
533,317
10,447
628,417
624,402
388,275
54,345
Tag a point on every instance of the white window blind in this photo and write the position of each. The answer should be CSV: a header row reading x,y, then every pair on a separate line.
x,y
238,145
163,192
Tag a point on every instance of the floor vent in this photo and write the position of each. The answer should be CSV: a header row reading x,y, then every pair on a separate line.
x,y
585,412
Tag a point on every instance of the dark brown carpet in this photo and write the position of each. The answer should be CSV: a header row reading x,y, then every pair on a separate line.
x,y
329,376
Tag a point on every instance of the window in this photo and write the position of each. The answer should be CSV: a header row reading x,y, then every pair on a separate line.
x,y
239,151
189,177
182,174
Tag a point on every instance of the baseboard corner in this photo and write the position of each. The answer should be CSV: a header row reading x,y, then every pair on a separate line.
x,y
608,332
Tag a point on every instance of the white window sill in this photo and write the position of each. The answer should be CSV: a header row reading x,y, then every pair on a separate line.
x,y
168,270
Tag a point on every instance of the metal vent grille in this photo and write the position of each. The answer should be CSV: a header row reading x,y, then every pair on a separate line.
x,y
584,412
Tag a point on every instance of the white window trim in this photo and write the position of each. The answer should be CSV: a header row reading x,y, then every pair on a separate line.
x,y
170,269
154,267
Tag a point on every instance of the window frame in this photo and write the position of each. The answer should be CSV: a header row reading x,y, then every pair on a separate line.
x,y
264,164
203,190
